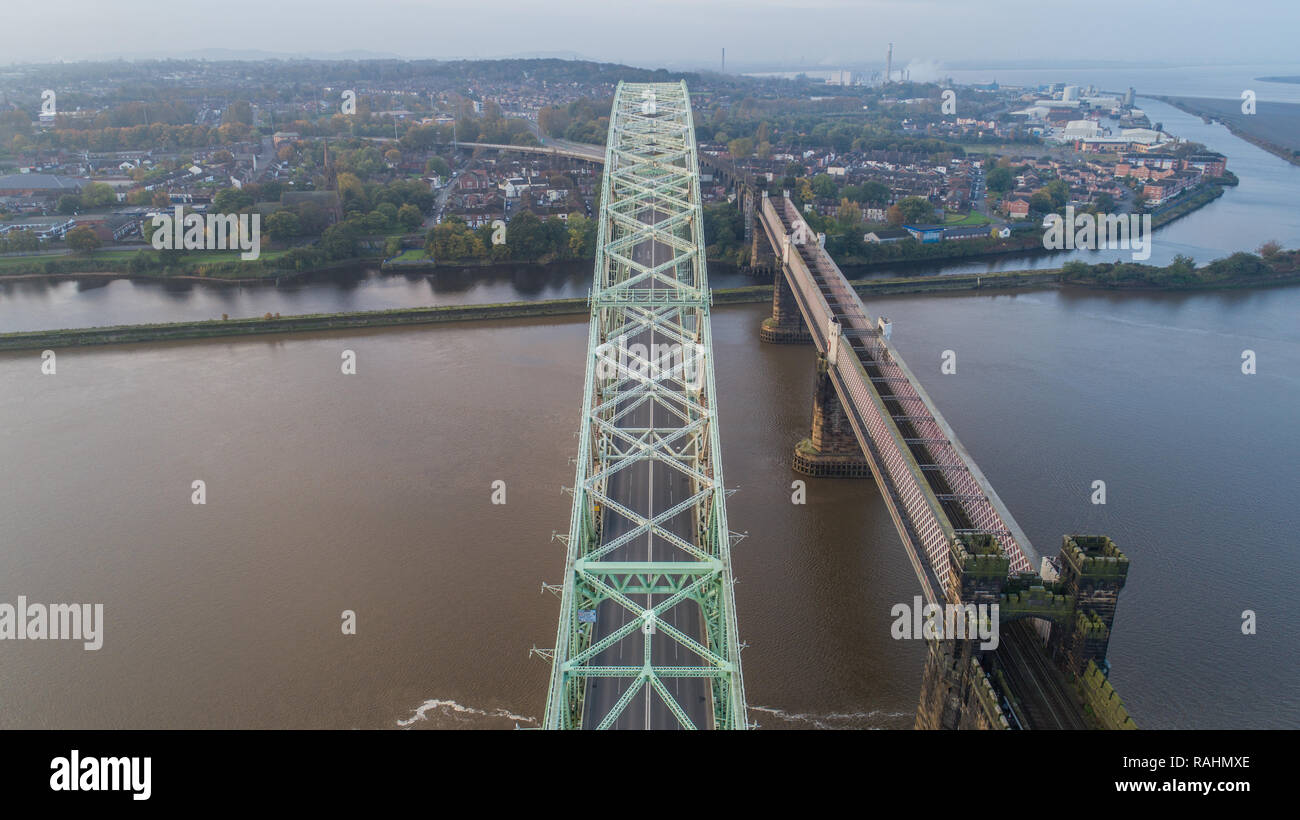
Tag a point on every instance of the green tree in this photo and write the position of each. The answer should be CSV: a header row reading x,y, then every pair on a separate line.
x,y
239,111
870,192
339,242
312,219
741,148
824,187
1059,191
1000,180
1181,271
389,212
409,217
724,227
438,167
848,217
582,235
526,237
231,200
453,240
82,240
267,191
282,225
20,241
1239,265
915,210
98,195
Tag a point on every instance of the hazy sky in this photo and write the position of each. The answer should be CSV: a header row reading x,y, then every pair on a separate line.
x,y
676,33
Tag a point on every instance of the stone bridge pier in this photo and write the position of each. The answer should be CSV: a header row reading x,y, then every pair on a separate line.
x,y
831,449
786,324
764,260
955,691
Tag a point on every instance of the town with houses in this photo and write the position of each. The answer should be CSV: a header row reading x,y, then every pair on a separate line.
x,y
1019,154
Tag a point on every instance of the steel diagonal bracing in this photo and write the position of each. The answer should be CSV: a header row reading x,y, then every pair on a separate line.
x,y
647,628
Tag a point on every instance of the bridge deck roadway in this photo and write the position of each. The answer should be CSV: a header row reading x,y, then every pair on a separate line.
x,y
648,491
647,636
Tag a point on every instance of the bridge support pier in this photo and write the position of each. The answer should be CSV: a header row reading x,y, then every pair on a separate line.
x,y
956,692
785,325
764,261
832,449
1093,571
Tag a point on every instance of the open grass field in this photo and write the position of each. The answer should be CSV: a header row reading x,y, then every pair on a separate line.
x,y
412,255
964,220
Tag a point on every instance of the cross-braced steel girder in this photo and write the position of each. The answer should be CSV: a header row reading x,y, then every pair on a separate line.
x,y
647,629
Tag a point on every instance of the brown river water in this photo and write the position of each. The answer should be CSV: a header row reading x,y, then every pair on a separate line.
x,y
372,493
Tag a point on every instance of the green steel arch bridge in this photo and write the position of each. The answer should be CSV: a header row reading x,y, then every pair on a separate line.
x,y
647,629
647,635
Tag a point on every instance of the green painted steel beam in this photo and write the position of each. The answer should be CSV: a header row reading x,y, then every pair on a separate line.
x,y
650,194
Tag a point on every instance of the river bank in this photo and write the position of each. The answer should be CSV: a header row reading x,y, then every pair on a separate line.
x,y
1026,280
226,269
132,264
1273,126
213,328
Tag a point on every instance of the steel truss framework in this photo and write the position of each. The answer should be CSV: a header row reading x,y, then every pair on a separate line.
x,y
650,199
933,489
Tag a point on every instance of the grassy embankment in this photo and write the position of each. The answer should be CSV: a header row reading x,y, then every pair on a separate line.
x,y
213,328
147,264
1240,270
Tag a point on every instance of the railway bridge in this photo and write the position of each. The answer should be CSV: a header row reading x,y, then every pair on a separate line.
x,y
871,417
